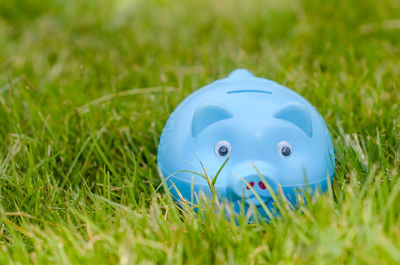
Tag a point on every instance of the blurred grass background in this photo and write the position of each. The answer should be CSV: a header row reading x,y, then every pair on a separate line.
x,y
85,90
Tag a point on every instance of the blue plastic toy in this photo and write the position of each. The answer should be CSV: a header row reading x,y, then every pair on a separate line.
x,y
263,127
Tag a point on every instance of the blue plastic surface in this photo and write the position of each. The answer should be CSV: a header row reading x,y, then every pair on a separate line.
x,y
260,125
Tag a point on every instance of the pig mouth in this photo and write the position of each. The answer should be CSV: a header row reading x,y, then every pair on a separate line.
x,y
258,202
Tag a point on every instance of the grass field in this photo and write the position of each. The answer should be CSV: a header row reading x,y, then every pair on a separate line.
x,y
85,90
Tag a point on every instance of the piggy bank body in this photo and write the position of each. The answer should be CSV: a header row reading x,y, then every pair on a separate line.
x,y
271,135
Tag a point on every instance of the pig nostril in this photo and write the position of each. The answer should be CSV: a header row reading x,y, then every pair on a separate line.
x,y
250,184
262,185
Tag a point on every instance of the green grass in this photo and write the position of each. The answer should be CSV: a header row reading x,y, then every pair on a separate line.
x,y
86,87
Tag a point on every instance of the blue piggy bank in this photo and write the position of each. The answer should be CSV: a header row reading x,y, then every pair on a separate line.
x,y
271,135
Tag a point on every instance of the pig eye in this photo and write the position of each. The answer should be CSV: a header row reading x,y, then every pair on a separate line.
x,y
285,148
223,148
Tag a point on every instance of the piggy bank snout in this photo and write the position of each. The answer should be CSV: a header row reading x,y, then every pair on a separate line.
x,y
252,180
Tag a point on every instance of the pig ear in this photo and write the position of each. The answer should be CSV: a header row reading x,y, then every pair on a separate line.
x,y
297,114
207,114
